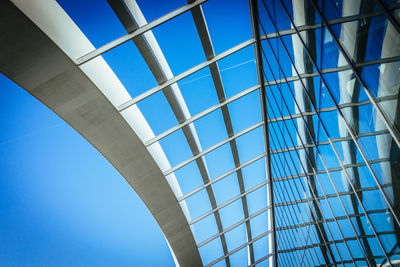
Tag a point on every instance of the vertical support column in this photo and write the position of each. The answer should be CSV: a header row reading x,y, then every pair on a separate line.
x,y
253,6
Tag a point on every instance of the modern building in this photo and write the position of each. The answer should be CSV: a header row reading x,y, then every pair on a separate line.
x,y
279,149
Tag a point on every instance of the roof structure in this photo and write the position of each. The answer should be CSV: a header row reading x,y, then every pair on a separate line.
x,y
280,149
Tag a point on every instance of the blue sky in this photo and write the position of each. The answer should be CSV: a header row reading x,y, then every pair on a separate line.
x,y
61,202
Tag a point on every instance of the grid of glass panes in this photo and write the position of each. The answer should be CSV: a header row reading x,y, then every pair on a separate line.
x,y
332,72
216,152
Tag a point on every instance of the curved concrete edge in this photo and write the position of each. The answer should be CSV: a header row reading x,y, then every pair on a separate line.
x,y
37,64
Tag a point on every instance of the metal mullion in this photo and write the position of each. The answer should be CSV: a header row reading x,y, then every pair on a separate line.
x,y
201,26
261,260
212,148
392,131
234,226
339,69
285,160
391,251
287,258
226,203
299,195
288,212
329,175
239,248
389,15
292,193
160,72
253,8
331,22
323,162
184,74
290,186
141,30
286,239
311,210
296,151
323,126
316,197
256,87
316,176
323,143
328,219
289,234
343,240
331,195
344,105
303,189
293,209
200,115
241,166
336,153
346,166
390,128
292,142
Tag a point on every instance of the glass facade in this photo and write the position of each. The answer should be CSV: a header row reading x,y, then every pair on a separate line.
x,y
281,134
332,86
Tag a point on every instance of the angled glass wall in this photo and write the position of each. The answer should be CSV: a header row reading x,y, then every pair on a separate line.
x,y
332,89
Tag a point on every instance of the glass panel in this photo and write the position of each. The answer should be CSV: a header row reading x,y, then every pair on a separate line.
x,y
232,213
236,237
250,145
152,11
211,129
254,174
176,147
211,251
257,200
238,71
91,18
198,85
245,112
226,189
189,177
198,203
236,19
219,161
160,119
239,258
205,228
130,68
186,53
259,224
261,247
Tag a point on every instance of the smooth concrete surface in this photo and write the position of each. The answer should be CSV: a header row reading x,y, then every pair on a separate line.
x,y
32,60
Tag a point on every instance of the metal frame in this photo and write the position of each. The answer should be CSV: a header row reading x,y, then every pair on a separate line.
x,y
327,87
137,32
253,6
289,234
